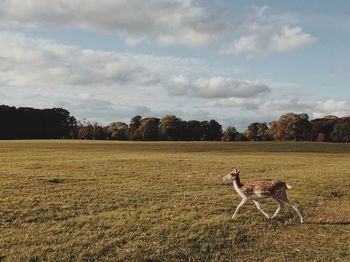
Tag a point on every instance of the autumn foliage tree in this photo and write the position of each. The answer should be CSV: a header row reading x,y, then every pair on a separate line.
x,y
230,134
149,129
257,132
87,130
291,127
118,131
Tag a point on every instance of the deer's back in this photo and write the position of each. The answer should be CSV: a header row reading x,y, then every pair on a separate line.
x,y
266,187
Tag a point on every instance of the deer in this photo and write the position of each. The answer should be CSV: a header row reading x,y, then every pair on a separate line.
x,y
260,189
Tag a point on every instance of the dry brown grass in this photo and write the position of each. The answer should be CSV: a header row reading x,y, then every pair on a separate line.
x,y
122,201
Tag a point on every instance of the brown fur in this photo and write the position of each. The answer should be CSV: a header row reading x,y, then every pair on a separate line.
x,y
269,188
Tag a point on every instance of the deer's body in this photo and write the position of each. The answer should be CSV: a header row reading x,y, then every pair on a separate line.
x,y
263,189
255,190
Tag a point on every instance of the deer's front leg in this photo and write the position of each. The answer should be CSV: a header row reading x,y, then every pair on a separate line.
x,y
260,209
239,206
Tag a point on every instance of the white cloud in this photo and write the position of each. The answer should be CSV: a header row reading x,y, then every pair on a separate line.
x,y
27,61
286,105
289,38
234,102
279,105
245,44
284,40
216,87
39,62
170,22
331,107
272,105
263,34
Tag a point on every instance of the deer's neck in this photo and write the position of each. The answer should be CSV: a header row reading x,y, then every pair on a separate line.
x,y
237,183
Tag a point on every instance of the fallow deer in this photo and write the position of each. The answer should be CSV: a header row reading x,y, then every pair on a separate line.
x,y
259,189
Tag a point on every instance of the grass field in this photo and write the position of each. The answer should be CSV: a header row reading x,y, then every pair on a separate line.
x,y
165,201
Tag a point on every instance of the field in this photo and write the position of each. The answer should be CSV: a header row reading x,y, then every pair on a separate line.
x,y
165,201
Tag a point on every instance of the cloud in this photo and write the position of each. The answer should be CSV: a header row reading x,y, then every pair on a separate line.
x,y
284,40
244,44
243,103
264,34
289,38
39,62
331,107
216,87
278,105
91,84
271,105
167,21
286,105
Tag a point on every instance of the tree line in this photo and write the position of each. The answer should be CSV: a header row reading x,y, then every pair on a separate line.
x,y
30,123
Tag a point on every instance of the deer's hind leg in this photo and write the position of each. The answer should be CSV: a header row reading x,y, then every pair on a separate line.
x,y
279,206
282,197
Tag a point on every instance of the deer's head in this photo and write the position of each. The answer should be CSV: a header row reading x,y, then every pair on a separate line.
x,y
231,176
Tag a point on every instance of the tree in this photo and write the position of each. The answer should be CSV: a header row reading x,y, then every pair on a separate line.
x,y
86,130
230,134
257,132
212,130
98,132
241,137
135,123
149,129
171,128
118,131
291,127
63,122
31,123
193,130
322,128
341,130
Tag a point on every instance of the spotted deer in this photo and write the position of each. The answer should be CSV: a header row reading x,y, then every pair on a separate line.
x,y
259,189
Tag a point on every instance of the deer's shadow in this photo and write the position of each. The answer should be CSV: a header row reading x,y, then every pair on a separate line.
x,y
327,222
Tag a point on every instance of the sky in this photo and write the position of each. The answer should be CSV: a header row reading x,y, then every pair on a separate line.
x,y
236,61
